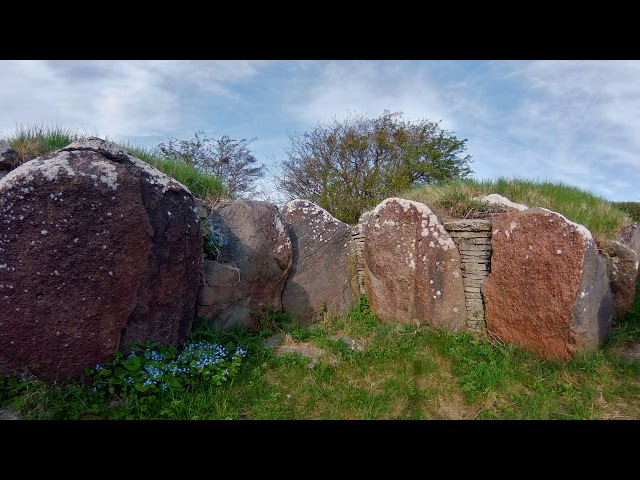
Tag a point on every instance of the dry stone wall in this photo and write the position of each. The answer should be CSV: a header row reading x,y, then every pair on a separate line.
x,y
473,239
358,235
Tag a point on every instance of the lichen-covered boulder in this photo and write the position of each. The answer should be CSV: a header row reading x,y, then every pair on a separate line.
x,y
548,289
412,266
248,279
502,201
323,277
97,250
622,268
629,235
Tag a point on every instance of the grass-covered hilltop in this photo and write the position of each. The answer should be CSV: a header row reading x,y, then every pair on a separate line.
x,y
354,367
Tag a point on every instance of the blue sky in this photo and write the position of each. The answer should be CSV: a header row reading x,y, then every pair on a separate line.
x,y
571,121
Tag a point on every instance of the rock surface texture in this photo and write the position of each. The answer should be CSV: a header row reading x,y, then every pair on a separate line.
x,y
622,268
8,159
548,289
630,236
254,265
496,199
323,277
97,250
412,266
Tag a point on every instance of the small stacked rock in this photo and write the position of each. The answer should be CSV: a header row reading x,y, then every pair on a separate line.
x,y
473,239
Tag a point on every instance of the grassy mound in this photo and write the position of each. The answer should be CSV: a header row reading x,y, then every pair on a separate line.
x,y
457,200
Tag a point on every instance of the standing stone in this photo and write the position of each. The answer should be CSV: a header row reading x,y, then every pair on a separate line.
x,y
629,236
253,269
412,266
97,250
622,268
323,278
548,289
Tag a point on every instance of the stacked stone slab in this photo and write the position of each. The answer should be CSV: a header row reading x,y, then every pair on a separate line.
x,y
358,237
473,239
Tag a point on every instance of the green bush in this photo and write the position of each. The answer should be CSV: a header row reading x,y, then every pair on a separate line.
x,y
631,208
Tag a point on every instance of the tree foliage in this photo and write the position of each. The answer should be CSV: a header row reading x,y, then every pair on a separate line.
x,y
348,166
227,159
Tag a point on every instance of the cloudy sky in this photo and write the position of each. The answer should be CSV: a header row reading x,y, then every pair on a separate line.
x,y
571,121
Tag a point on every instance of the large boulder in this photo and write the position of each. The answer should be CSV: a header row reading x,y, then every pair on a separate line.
x,y
501,201
248,279
629,235
412,266
622,268
323,277
548,289
98,250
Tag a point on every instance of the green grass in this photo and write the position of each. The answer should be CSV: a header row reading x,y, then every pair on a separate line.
x,y
402,372
455,199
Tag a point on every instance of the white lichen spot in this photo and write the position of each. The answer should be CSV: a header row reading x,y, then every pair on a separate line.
x,y
455,309
168,213
43,232
431,281
558,251
582,294
438,293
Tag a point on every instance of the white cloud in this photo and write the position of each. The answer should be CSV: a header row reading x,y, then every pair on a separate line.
x,y
340,88
112,97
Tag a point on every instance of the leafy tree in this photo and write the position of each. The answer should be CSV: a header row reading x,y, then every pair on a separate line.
x,y
227,159
348,166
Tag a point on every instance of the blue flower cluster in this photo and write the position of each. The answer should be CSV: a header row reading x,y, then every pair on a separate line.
x,y
150,369
214,240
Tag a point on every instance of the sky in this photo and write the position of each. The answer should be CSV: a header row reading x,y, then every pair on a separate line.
x,y
570,121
